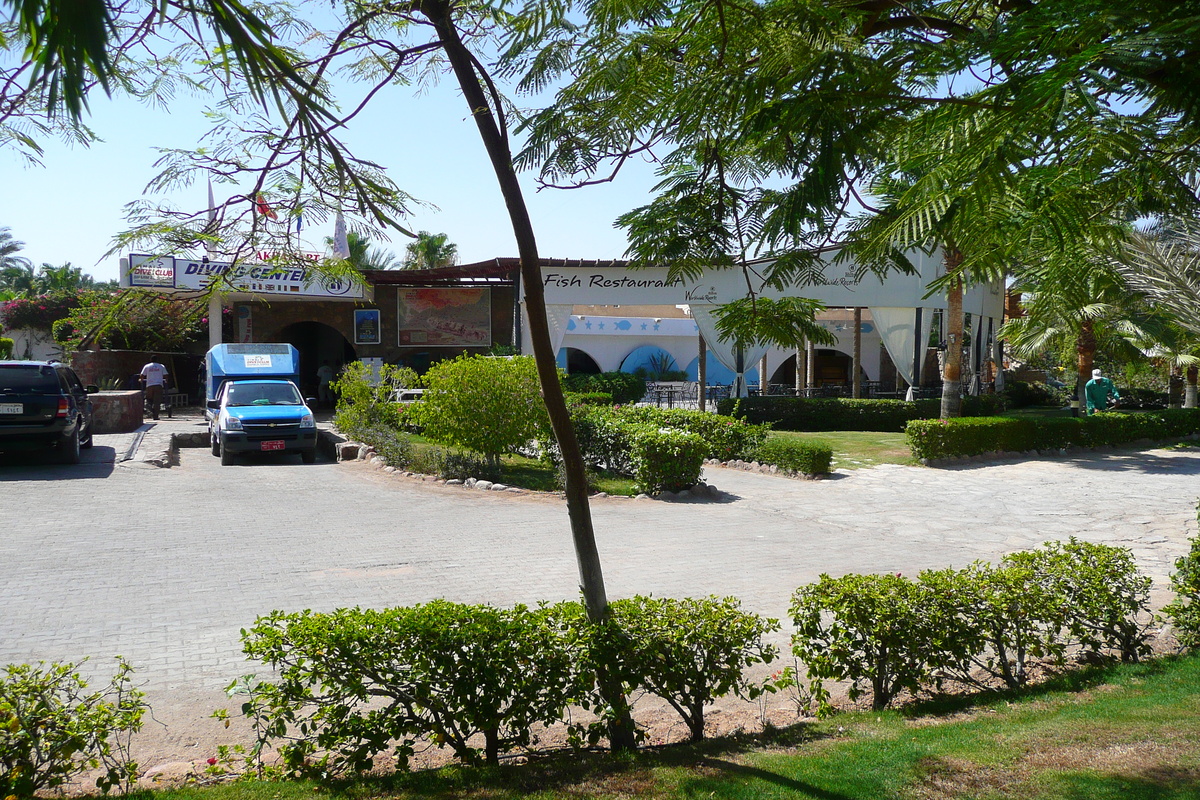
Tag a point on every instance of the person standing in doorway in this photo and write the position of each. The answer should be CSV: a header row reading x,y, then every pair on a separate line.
x,y
154,383
1097,392
324,378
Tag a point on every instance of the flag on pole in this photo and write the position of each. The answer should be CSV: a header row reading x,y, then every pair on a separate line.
x,y
212,219
341,241
299,218
264,209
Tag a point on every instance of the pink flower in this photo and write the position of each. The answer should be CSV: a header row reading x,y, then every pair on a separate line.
x,y
204,320
212,762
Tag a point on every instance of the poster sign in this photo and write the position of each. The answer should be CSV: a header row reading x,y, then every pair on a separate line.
x,y
366,326
257,361
445,317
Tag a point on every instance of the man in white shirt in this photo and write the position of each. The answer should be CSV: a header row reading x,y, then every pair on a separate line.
x,y
154,381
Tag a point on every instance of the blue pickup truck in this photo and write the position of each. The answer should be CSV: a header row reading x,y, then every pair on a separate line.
x,y
261,416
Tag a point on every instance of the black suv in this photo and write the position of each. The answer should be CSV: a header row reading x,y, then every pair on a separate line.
x,y
43,406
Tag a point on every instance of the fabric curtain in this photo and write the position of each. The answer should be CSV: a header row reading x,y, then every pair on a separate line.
x,y
896,328
725,352
558,316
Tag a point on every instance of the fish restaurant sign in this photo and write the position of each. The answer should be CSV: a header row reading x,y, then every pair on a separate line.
x,y
177,274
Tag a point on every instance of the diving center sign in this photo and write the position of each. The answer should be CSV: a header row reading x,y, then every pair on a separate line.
x,y
176,274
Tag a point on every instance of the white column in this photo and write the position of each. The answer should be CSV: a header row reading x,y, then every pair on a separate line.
x,y
214,319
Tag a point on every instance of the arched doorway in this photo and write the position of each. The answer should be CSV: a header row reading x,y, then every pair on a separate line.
x,y
317,343
832,368
578,362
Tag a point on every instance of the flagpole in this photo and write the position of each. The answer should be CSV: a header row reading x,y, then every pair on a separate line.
x,y
215,305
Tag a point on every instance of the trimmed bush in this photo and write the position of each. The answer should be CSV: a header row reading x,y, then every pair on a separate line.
x,y
624,387
52,729
355,683
953,438
871,630
808,458
603,399
1022,394
727,437
690,652
842,414
1184,610
666,460
6,347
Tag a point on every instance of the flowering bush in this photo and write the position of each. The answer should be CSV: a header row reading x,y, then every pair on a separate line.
x,y
38,312
136,320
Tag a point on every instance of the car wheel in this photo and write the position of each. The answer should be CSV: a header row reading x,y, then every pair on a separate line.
x,y
226,455
69,454
88,440
216,444
309,456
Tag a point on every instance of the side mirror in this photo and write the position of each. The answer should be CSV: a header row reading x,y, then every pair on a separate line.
x,y
91,388
213,404
310,401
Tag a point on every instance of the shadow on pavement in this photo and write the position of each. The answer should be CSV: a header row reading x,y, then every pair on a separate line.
x,y
96,462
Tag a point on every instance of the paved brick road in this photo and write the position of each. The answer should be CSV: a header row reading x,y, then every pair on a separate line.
x,y
165,566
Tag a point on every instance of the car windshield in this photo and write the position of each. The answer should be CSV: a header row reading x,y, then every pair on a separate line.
x,y
31,379
264,394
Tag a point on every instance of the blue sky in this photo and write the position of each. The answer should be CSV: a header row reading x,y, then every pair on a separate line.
x,y
69,209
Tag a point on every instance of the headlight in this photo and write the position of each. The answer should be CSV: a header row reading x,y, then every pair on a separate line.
x,y
307,421
232,423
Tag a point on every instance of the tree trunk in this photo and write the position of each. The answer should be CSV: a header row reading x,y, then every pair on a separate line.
x,y
1085,353
952,371
857,365
591,577
801,369
1189,397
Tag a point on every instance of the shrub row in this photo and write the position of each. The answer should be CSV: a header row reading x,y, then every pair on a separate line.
x,y
624,387
355,683
931,439
808,458
1185,608
841,414
887,634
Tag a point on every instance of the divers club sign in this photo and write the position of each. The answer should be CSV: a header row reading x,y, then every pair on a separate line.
x,y
148,272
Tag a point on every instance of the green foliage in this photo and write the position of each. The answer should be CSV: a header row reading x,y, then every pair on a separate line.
x,y
41,312
1105,598
488,405
806,458
665,460
973,626
588,399
625,387
604,437
364,405
1184,610
932,439
6,347
689,652
355,683
840,414
1022,394
136,320
727,438
52,729
871,630
392,445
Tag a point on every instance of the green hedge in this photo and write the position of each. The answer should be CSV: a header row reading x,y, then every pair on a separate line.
x,y
624,387
842,414
6,347
666,460
954,438
809,458
727,438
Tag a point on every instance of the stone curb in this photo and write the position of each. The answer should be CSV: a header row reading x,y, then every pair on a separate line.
x,y
346,450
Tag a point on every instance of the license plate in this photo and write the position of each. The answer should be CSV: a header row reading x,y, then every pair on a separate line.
x,y
273,445
12,408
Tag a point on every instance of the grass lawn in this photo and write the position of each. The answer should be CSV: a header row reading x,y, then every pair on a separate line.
x,y
532,473
1128,732
858,449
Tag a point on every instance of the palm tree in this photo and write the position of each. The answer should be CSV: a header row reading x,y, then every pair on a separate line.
x,y
429,251
363,255
16,272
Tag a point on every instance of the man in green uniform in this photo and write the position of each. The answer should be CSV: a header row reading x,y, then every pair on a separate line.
x,y
1097,392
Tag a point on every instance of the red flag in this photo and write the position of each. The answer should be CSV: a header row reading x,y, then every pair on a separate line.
x,y
264,209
